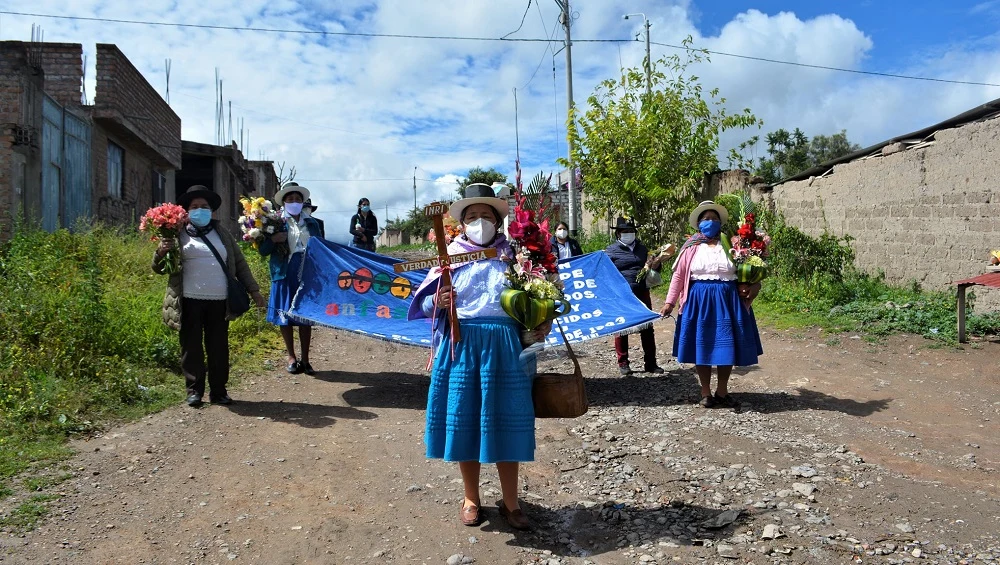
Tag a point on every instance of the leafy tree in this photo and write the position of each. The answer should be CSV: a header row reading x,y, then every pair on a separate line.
x,y
792,153
825,148
646,157
477,174
416,223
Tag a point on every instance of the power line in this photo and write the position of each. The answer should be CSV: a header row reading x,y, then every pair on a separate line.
x,y
484,39
526,8
824,67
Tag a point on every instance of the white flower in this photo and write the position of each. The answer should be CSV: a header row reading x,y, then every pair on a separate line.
x,y
254,233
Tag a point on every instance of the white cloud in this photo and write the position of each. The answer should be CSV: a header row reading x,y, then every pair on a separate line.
x,y
374,108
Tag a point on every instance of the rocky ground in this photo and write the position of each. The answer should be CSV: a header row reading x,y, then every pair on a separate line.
x,y
843,451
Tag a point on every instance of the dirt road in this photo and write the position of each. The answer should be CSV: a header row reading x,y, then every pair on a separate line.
x,y
844,451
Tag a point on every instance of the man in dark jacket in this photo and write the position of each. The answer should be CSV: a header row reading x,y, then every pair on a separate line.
x,y
629,256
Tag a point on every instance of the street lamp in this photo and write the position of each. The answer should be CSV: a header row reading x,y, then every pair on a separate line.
x,y
648,63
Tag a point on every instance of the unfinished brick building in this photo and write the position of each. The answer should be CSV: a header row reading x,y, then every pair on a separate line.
x,y
62,160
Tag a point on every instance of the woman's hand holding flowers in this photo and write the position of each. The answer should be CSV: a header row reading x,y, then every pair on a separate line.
x,y
748,292
536,335
166,244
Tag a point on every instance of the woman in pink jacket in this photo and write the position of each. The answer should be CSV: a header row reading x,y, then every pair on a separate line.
x,y
715,324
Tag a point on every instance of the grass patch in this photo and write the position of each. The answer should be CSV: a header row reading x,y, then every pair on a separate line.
x,y
84,343
27,515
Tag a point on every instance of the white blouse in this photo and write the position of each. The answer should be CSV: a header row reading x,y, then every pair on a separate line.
x,y
203,275
477,288
712,264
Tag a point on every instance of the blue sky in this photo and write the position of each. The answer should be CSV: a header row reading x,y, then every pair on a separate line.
x,y
348,111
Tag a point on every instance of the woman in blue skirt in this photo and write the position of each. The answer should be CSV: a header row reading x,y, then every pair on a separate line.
x,y
479,406
715,323
286,250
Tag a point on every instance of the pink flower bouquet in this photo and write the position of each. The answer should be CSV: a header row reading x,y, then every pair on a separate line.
x,y
165,222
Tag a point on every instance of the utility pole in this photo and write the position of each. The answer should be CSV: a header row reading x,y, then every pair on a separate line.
x,y
648,63
414,188
567,19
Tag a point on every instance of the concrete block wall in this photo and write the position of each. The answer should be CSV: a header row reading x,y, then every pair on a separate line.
x,y
62,64
929,214
123,93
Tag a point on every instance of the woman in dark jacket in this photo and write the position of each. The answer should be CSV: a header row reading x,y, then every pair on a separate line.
x,y
195,302
629,256
364,226
284,264
564,246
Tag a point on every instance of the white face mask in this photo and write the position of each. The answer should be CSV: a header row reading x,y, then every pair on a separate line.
x,y
561,234
627,238
480,231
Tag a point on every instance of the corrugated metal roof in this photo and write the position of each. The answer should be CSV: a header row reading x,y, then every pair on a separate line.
x,y
985,111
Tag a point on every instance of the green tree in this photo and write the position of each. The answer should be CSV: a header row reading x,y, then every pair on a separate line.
x,y
416,223
644,157
477,174
791,153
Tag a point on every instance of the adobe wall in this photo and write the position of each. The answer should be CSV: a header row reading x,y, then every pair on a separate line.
x,y
20,136
929,214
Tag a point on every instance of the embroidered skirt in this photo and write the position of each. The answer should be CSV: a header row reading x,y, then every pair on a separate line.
x,y
715,327
282,292
479,403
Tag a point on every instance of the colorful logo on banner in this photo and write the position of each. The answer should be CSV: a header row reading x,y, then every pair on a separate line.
x,y
357,290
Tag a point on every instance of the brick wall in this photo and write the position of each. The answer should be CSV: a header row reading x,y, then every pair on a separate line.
x,y
137,181
125,96
20,135
929,214
62,64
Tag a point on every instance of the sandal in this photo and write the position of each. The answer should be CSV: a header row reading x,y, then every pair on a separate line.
x,y
707,402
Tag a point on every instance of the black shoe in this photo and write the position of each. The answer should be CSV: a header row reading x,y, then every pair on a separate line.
x,y
294,367
307,368
655,369
194,400
625,370
726,401
224,400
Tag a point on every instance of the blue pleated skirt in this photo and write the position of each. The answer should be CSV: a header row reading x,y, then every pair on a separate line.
x,y
282,292
715,327
479,403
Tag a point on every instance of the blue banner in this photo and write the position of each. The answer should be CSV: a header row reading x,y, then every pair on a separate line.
x,y
357,290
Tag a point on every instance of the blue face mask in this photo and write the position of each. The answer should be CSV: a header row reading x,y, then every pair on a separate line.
x,y
200,217
710,228
366,208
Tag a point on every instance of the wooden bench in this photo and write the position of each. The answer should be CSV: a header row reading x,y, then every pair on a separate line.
x,y
991,279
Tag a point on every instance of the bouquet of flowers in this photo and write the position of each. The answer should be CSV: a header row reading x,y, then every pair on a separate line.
x,y
260,220
665,252
535,293
995,257
749,247
165,222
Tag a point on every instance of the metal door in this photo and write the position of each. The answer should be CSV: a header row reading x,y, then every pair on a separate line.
x,y
52,153
76,170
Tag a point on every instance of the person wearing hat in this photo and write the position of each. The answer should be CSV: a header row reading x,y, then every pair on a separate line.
x,y
284,265
195,302
629,256
715,325
312,210
364,226
479,407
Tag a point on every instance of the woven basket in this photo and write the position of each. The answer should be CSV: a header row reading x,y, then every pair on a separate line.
x,y
558,395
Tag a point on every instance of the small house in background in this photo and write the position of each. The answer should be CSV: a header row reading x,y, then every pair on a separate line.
x,y
63,160
223,169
